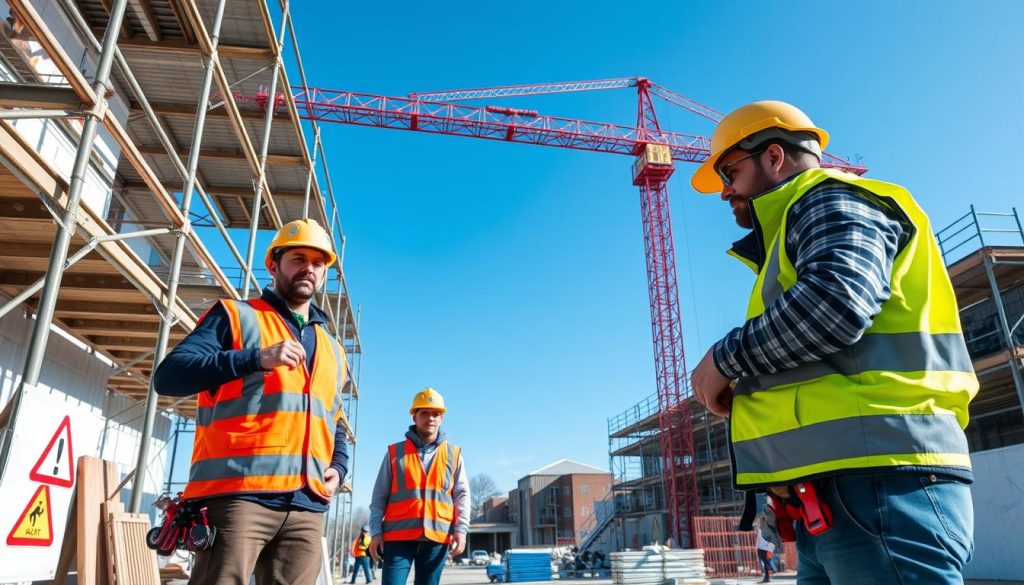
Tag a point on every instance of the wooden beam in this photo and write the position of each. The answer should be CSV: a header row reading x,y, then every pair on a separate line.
x,y
243,192
70,280
183,24
189,111
272,159
129,311
176,47
144,12
122,343
24,209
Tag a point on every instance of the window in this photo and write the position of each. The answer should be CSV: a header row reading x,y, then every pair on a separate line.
x,y
567,512
584,512
584,488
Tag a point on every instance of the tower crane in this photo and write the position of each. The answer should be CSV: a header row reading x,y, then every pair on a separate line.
x,y
655,152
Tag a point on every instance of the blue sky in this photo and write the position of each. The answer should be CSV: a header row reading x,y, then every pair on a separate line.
x,y
511,278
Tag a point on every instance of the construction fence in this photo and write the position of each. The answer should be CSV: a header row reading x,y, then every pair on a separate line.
x,y
731,553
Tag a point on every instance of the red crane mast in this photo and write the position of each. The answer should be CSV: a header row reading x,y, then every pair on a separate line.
x,y
655,151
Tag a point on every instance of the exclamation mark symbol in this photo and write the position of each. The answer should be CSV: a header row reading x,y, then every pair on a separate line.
x,y
60,449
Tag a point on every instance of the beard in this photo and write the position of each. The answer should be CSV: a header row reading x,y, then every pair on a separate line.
x,y
297,290
762,184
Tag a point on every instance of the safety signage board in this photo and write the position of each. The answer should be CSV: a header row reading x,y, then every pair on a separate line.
x,y
35,525
56,464
37,486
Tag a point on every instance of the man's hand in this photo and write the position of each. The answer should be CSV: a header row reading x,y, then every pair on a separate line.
x,y
458,544
333,479
377,547
285,353
711,388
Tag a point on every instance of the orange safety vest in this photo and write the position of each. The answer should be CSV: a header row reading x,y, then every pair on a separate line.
x,y
420,503
269,431
361,546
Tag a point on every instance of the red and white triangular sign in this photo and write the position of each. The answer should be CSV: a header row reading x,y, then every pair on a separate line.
x,y
56,466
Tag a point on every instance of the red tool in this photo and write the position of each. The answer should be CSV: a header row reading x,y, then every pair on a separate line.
x,y
802,504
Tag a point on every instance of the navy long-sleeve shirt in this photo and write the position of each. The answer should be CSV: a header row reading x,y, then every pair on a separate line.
x,y
205,360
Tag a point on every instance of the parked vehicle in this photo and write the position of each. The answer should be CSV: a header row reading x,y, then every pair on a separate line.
x,y
479,557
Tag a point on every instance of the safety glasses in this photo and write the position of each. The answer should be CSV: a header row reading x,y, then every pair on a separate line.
x,y
723,171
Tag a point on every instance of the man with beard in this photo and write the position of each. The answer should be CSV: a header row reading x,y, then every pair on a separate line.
x,y
269,451
419,511
848,384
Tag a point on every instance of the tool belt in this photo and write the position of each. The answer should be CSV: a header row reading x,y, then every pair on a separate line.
x,y
791,503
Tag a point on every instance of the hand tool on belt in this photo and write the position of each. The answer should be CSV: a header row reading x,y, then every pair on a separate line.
x,y
791,503
799,502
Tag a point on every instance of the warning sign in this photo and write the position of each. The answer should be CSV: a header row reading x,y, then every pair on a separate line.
x,y
35,525
56,465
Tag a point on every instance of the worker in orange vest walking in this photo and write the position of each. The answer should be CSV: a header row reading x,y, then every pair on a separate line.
x,y
360,552
419,512
269,451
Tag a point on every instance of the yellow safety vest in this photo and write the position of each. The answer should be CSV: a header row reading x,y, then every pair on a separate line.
x,y
897,398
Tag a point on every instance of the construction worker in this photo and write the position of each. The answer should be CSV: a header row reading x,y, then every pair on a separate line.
x,y
360,552
850,378
419,512
269,451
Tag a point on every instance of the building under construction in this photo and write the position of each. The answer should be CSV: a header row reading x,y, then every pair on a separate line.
x,y
984,253
133,193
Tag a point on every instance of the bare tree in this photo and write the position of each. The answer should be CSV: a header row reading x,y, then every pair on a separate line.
x,y
481,488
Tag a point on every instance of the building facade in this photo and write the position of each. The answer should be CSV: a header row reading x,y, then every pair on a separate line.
x,y
555,505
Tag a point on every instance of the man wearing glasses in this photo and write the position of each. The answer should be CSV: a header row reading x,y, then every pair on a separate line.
x,y
847,387
419,511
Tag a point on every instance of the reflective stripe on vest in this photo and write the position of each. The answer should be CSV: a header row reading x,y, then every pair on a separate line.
x,y
898,397
420,501
268,431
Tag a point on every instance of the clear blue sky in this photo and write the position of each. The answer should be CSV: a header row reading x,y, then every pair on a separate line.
x,y
511,277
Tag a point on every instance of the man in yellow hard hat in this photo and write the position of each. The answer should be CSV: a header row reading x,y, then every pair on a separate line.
x,y
419,512
848,384
269,452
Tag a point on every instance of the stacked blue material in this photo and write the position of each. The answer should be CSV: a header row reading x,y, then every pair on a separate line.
x,y
528,565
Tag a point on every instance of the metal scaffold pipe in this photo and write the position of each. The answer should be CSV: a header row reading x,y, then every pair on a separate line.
x,y
166,322
66,229
172,152
312,170
83,252
261,180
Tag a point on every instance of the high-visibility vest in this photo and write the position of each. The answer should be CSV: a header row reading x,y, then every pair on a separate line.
x,y
361,546
420,501
268,431
897,398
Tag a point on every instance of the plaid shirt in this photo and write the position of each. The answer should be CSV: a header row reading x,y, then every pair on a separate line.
x,y
843,243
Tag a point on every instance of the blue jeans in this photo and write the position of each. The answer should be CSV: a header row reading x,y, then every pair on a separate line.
x,y
401,555
364,564
890,528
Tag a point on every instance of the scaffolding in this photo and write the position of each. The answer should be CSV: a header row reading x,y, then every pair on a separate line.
x,y
102,236
984,252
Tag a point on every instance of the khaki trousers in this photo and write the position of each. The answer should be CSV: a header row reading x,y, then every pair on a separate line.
x,y
279,547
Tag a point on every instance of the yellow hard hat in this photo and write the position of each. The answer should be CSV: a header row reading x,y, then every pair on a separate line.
x,y
302,233
427,398
743,123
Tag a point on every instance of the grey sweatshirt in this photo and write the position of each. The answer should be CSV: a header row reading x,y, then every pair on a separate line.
x,y
382,487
